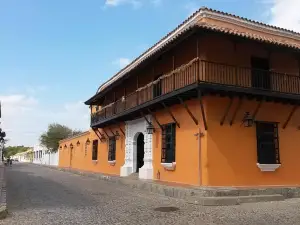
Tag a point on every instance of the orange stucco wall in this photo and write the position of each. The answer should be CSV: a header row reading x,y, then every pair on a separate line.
x,y
187,146
77,159
232,150
224,155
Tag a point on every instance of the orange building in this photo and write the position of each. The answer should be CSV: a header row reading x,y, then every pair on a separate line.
x,y
213,103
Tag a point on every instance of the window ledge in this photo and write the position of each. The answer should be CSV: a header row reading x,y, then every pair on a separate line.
x,y
112,163
268,167
169,166
94,161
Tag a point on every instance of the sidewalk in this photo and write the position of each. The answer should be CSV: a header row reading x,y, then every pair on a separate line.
x,y
3,206
208,196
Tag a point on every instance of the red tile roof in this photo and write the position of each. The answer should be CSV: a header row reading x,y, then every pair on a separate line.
x,y
164,41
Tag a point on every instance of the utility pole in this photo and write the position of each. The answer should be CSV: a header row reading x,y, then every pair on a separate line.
x,y
2,136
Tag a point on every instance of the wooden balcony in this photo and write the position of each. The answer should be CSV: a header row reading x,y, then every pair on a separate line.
x,y
208,76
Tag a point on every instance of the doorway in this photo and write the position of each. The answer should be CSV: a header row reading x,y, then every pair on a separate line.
x,y
260,73
140,152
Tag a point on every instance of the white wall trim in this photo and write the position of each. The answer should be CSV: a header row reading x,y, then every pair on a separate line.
x,y
132,130
268,167
169,166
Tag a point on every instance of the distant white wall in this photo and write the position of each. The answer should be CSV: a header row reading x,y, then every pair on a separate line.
x,y
42,156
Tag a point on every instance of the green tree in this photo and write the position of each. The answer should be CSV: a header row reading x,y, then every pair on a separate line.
x,y
56,132
12,150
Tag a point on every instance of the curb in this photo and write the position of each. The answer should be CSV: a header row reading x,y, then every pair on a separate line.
x,y
3,204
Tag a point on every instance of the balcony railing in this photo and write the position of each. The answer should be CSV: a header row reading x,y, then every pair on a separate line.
x,y
201,71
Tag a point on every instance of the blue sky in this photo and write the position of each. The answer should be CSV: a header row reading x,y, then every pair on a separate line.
x,y
54,54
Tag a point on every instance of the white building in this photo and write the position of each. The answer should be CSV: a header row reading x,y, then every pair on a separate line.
x,y
43,156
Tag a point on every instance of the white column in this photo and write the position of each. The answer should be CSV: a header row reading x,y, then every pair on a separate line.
x,y
127,168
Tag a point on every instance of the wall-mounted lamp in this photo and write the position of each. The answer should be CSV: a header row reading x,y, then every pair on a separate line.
x,y
60,147
88,141
248,120
71,146
78,143
150,128
65,146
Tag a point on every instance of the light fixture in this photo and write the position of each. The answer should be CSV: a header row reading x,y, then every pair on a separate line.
x,y
78,143
71,146
65,146
117,135
88,141
248,120
60,147
150,128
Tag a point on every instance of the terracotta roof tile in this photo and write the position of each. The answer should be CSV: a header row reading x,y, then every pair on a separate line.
x,y
252,36
248,35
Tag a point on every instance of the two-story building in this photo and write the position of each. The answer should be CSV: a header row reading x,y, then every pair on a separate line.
x,y
213,103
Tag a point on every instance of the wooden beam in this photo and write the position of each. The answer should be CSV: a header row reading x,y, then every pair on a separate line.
x,y
171,114
154,117
111,131
236,110
121,130
188,110
95,130
202,109
290,116
257,109
226,111
105,132
148,122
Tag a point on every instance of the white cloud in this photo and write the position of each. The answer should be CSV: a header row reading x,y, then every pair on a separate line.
x,y
284,13
122,62
24,118
113,3
134,3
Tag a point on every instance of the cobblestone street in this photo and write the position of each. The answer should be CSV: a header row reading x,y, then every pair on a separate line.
x,y
39,195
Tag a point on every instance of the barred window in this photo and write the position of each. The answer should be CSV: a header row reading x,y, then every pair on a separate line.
x,y
112,149
95,150
267,143
168,143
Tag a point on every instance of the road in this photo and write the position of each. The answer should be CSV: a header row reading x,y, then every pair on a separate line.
x,y
39,195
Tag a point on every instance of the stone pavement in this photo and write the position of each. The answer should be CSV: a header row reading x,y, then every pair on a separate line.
x,y
207,196
40,195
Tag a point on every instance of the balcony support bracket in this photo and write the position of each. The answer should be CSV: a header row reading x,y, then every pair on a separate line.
x,y
226,111
111,131
236,110
154,117
98,133
171,114
188,110
121,130
290,116
105,133
257,108
148,122
202,109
